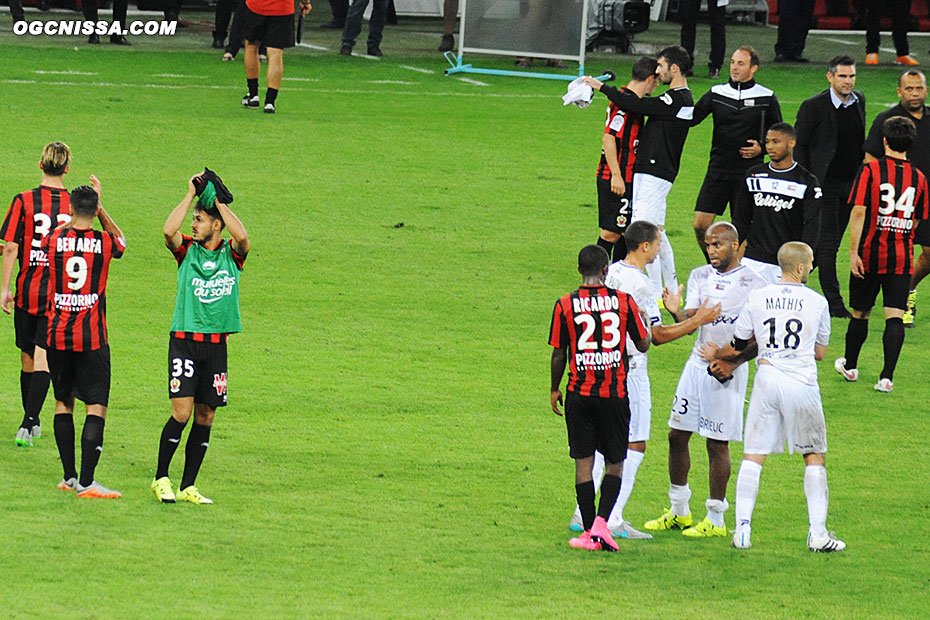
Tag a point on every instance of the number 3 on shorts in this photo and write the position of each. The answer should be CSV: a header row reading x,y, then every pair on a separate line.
x,y
178,366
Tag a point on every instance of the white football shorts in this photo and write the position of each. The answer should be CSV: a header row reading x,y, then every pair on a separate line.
x,y
705,406
640,395
649,194
783,409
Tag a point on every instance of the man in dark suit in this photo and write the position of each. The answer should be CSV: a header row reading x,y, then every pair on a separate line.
x,y
831,130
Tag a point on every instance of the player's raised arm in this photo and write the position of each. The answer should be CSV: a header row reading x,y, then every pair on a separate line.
x,y
666,333
240,238
172,229
106,222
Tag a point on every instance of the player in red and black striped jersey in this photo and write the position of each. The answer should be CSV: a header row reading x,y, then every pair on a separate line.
x,y
889,200
618,153
591,325
78,352
32,215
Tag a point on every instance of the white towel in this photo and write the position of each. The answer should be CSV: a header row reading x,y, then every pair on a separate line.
x,y
579,94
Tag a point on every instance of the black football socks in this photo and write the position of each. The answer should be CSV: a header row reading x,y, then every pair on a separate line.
x,y
38,390
856,334
197,443
610,489
271,95
167,445
91,447
584,492
64,438
892,341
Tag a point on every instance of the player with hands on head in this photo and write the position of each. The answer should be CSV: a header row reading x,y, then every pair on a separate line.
x,y
206,312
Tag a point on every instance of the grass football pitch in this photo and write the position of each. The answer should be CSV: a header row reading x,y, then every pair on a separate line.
x,y
388,449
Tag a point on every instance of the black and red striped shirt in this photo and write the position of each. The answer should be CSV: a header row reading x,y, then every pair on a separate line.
x,y
78,265
593,323
30,219
894,194
624,127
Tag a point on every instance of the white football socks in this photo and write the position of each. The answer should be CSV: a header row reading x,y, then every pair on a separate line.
x,y
679,495
818,497
667,256
716,509
747,489
630,467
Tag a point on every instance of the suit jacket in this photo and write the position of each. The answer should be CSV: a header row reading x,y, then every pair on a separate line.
x,y
816,132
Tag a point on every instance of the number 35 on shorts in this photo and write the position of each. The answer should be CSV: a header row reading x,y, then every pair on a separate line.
x,y
180,368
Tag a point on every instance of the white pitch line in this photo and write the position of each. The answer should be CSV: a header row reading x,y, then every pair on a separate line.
x,y
471,81
417,69
390,82
180,75
68,72
300,79
840,41
313,47
338,91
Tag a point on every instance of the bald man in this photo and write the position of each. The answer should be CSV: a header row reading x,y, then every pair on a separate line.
x,y
790,325
711,407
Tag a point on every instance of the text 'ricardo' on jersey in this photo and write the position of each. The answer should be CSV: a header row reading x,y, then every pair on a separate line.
x,y
593,323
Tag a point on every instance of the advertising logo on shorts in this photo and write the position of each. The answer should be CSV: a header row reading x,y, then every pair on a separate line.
x,y
215,288
219,382
175,385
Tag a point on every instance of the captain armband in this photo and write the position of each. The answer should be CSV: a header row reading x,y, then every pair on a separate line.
x,y
739,344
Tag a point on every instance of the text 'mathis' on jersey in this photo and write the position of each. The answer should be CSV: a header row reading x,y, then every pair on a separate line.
x,y
633,281
731,290
894,194
593,323
78,265
30,219
788,320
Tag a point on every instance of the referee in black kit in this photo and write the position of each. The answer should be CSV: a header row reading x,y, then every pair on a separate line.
x,y
912,91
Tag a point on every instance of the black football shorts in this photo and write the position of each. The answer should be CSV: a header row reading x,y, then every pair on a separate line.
x,y
595,423
197,369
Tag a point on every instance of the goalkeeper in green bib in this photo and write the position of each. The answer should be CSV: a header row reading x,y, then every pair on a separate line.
x,y
205,313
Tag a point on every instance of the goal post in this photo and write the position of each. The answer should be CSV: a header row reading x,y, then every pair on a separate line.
x,y
551,29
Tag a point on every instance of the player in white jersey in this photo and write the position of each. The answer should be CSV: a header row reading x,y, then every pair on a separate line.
x,y
790,324
643,240
703,404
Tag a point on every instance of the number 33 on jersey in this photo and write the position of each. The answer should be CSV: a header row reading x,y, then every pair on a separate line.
x,y
593,322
